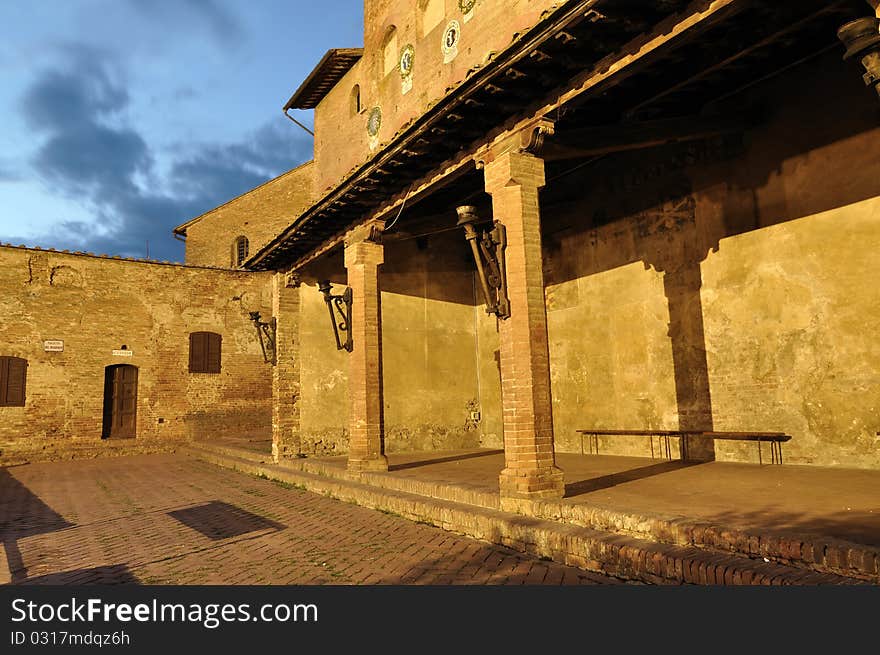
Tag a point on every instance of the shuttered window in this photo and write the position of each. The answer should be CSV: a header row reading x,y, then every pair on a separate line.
x,y
204,352
240,250
13,376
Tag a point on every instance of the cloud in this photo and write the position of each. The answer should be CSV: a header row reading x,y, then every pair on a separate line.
x,y
208,14
213,169
93,157
88,87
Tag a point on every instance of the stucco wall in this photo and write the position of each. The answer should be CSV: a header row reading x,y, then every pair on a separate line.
x,y
428,348
732,291
97,305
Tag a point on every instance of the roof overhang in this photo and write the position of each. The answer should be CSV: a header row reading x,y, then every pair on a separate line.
x,y
593,51
332,67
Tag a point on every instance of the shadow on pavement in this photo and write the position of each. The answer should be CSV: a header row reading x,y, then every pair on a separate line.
x,y
23,514
100,575
605,481
219,520
440,460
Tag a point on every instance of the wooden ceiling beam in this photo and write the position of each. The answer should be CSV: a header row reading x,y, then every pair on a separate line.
x,y
593,141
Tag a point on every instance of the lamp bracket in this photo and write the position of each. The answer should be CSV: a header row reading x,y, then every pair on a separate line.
x,y
266,333
487,247
339,306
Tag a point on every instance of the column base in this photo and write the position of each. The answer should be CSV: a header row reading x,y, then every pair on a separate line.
x,y
532,484
379,463
284,452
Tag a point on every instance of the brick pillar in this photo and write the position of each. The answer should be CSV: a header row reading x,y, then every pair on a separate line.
x,y
513,180
363,256
285,373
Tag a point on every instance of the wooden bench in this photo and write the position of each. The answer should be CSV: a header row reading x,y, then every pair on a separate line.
x,y
776,439
662,438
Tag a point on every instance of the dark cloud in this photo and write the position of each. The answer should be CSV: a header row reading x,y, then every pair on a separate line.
x,y
208,14
211,169
97,161
94,158
88,87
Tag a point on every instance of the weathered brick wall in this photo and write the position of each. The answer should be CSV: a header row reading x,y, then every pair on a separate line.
x,y
286,380
341,139
259,215
97,305
737,290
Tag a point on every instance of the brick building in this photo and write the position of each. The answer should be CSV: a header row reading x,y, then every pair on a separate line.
x,y
674,210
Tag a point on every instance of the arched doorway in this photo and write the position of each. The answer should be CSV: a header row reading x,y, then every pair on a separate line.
x,y
120,402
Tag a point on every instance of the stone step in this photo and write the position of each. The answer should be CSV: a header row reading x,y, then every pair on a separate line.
x,y
622,556
809,551
232,451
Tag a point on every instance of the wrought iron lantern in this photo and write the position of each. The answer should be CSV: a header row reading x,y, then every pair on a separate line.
x,y
488,247
340,314
862,39
266,331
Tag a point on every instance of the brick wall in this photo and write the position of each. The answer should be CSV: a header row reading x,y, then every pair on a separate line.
x,y
259,215
97,305
341,139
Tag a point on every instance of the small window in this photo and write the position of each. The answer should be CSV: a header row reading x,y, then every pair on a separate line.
x,y
204,352
356,100
240,251
389,50
13,376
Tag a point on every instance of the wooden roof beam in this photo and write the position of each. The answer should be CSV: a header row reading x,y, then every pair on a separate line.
x,y
593,141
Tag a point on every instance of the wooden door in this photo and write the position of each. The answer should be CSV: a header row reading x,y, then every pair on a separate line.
x,y
120,401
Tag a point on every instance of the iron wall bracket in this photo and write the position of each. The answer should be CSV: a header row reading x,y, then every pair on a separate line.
x,y
339,307
266,333
487,247
862,40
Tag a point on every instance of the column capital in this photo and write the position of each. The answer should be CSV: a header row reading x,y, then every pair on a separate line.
x,y
514,168
363,244
368,232
526,141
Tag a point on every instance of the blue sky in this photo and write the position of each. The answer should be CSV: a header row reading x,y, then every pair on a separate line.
x,y
120,119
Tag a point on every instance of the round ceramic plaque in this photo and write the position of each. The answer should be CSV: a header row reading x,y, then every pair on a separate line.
x,y
407,58
451,37
374,121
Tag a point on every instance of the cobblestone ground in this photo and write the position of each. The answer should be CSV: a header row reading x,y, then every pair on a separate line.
x,y
171,519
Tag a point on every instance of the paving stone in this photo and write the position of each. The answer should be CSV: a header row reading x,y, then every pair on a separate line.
x,y
112,521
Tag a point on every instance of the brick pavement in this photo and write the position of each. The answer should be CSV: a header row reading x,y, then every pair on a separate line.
x,y
170,519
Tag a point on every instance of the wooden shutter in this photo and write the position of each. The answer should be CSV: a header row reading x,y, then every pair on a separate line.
x,y
197,350
204,352
13,378
212,352
4,379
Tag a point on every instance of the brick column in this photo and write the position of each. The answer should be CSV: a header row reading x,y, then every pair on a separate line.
x,y
513,180
363,256
285,373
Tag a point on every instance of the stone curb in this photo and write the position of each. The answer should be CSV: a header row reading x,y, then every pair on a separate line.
x,y
617,555
808,551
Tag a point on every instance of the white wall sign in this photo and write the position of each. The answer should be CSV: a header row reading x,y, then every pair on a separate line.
x,y
122,353
53,346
